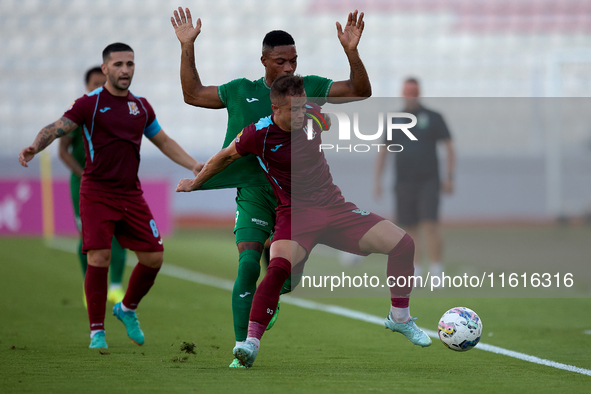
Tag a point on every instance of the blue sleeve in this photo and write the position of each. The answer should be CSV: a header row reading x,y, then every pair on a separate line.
x,y
152,129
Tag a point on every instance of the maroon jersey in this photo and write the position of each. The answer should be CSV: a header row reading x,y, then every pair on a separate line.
x,y
112,127
293,164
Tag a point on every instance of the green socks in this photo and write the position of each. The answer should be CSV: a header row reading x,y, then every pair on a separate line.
x,y
249,269
117,267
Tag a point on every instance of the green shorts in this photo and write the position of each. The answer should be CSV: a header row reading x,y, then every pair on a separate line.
x,y
255,209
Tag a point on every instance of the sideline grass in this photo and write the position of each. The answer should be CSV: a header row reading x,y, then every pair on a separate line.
x,y
308,351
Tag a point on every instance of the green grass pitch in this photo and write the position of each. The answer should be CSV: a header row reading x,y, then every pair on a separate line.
x,y
44,331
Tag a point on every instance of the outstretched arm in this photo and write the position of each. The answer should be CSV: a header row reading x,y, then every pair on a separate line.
x,y
175,152
193,90
68,158
218,162
358,84
45,137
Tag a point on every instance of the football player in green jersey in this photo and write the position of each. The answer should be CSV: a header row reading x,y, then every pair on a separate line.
x,y
246,102
71,151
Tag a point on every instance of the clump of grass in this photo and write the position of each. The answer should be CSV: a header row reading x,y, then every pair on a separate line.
x,y
188,348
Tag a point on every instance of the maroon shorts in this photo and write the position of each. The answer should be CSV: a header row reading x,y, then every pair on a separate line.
x,y
339,226
127,217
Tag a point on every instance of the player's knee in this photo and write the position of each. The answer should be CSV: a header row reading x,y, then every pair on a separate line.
x,y
404,248
99,258
151,259
280,263
249,267
250,245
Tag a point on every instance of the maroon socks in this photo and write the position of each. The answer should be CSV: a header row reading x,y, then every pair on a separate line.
x,y
141,280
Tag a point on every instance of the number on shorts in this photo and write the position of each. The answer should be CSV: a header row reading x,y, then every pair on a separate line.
x,y
154,228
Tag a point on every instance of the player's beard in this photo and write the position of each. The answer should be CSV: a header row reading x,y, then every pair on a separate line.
x,y
115,81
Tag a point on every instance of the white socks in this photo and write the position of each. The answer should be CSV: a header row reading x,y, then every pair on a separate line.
x,y
126,309
399,315
93,332
255,341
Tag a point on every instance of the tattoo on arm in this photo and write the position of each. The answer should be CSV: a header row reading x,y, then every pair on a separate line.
x,y
53,131
67,125
42,143
357,68
194,69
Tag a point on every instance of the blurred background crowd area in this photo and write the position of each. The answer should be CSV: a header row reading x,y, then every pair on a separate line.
x,y
479,53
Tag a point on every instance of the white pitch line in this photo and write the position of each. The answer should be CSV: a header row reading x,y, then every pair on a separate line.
x,y
208,280
225,284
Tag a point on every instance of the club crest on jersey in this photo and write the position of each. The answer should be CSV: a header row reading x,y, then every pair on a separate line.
x,y
133,108
309,130
238,136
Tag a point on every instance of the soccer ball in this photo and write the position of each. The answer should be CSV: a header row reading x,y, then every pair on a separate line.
x,y
460,329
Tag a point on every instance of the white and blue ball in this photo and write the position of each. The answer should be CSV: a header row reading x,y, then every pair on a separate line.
x,y
460,329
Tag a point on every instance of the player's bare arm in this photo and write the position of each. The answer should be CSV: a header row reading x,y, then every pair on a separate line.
x,y
358,84
67,158
45,137
175,152
194,92
216,164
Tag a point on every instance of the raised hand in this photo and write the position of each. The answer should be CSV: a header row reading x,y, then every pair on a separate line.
x,y
350,37
183,26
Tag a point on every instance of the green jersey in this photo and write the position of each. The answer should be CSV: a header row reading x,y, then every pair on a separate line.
x,y
246,102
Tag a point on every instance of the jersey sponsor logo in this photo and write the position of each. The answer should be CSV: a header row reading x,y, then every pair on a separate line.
x,y
238,136
361,212
103,110
252,100
244,295
133,108
236,220
276,147
259,222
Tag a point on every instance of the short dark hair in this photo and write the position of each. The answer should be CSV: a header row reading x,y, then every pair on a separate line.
x,y
276,38
115,47
91,71
412,80
287,85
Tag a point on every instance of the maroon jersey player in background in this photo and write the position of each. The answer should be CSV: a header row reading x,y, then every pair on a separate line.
x,y
113,121
300,177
